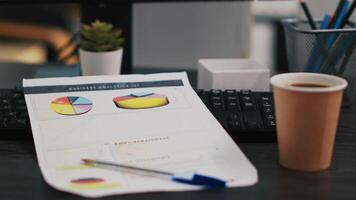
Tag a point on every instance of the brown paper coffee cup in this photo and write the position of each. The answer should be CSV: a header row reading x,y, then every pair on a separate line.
x,y
307,107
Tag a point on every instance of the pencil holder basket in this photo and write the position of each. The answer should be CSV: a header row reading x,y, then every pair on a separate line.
x,y
329,51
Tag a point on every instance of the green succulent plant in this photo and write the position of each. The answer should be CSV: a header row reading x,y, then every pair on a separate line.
x,y
100,36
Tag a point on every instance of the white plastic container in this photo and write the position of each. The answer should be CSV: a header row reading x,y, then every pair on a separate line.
x,y
239,74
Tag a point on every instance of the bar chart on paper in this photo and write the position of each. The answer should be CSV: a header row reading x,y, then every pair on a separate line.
x,y
71,105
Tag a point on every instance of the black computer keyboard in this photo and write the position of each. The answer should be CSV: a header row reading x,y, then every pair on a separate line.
x,y
247,116
14,120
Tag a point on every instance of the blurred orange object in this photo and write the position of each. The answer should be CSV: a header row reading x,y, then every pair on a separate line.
x,y
54,37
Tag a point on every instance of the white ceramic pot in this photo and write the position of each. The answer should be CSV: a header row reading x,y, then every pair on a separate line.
x,y
100,63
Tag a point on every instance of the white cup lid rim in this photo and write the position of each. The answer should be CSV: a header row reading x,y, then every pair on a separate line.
x,y
285,80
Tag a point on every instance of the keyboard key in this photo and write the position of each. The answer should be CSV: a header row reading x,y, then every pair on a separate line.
x,y
245,92
232,106
5,101
271,124
232,99
247,99
230,93
252,124
234,121
217,99
12,115
5,108
216,92
235,125
267,110
266,104
265,98
17,96
234,117
269,117
248,106
217,106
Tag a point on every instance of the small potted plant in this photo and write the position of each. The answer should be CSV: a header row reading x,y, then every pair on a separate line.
x,y
100,49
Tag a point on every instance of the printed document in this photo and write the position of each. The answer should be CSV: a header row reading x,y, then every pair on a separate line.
x,y
153,121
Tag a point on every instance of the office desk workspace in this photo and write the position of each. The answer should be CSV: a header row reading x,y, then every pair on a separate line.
x,y
152,133
22,178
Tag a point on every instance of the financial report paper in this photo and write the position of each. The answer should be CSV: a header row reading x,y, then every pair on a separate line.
x,y
155,121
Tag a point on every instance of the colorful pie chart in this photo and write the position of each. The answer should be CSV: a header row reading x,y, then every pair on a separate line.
x,y
71,105
141,100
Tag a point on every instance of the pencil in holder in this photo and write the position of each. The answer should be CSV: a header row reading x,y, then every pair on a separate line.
x,y
329,51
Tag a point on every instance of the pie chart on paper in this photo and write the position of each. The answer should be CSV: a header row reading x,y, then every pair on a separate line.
x,y
141,100
71,105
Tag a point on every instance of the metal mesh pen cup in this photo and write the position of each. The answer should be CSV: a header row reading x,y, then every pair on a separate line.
x,y
329,51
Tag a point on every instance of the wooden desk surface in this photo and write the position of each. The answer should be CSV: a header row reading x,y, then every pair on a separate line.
x,y
21,178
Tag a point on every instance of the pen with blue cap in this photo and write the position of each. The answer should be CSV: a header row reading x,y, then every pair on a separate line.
x,y
194,179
